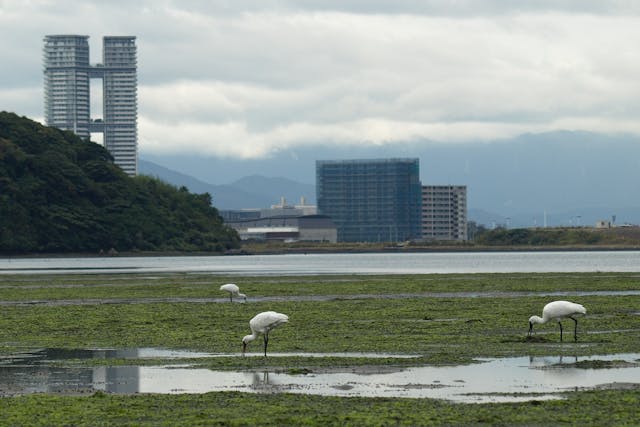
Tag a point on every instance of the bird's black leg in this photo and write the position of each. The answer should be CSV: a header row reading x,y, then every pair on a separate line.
x,y
575,330
230,297
266,341
560,323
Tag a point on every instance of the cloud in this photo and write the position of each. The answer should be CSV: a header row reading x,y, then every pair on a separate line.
x,y
357,79
24,101
247,79
234,139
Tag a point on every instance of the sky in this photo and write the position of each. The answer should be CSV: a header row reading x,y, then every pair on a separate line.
x,y
248,79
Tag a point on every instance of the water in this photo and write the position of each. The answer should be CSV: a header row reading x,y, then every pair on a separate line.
x,y
365,263
530,377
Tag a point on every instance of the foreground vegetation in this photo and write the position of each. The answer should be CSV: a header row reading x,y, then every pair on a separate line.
x,y
445,319
599,408
60,194
357,313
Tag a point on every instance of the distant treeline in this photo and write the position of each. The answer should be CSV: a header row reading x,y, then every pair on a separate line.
x,y
60,194
628,236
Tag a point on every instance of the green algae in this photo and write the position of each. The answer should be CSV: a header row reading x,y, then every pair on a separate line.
x,y
440,330
590,408
455,328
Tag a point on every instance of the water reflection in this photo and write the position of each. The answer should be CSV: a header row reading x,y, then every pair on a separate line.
x,y
47,355
261,383
546,361
531,377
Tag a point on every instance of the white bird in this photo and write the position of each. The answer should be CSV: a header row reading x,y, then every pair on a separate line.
x,y
558,310
234,291
263,323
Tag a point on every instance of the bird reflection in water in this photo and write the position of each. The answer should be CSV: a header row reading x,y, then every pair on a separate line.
x,y
260,381
543,362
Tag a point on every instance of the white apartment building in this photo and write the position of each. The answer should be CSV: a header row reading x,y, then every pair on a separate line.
x,y
444,212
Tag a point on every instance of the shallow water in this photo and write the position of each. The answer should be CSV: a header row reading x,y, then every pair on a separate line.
x,y
339,263
536,377
47,355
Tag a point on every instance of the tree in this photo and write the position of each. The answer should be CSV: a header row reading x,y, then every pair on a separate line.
x,y
59,193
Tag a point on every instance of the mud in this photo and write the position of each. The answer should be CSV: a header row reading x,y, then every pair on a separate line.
x,y
302,298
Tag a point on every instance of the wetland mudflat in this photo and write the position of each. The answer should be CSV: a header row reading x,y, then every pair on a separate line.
x,y
490,380
352,338
320,298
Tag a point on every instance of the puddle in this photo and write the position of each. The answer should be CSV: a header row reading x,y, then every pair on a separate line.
x,y
47,355
530,378
44,356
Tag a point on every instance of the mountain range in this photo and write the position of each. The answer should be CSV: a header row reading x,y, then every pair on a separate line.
x,y
557,178
253,191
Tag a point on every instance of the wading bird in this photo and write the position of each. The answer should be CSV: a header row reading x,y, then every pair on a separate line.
x,y
262,323
558,310
234,291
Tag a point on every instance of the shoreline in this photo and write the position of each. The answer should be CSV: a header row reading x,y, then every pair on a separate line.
x,y
283,250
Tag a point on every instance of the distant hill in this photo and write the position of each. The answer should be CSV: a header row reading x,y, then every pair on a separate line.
x,y
61,194
257,191
276,188
223,196
570,176
253,191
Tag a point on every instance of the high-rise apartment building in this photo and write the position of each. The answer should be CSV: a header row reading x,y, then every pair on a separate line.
x,y
371,200
67,75
66,83
444,212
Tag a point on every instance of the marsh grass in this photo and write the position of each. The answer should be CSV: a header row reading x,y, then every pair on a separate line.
x,y
449,329
462,327
593,408
127,285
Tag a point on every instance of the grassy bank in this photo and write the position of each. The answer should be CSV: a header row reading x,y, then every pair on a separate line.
x,y
445,319
586,409
500,239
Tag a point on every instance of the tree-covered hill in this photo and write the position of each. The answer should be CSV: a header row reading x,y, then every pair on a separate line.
x,y
61,194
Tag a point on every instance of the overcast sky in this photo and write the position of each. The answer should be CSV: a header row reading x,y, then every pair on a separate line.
x,y
248,78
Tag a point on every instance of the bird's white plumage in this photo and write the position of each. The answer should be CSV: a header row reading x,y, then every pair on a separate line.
x,y
266,321
230,287
558,310
262,323
234,291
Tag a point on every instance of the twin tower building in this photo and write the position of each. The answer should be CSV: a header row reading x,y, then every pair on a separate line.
x,y
67,92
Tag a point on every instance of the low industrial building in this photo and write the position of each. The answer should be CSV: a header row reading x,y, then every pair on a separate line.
x,y
282,209
307,228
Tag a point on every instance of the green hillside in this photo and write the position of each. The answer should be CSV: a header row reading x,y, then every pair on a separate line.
x,y
60,194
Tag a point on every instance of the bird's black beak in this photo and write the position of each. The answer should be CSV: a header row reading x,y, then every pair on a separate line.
x,y
244,348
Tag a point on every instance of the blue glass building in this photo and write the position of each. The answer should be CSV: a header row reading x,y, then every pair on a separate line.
x,y
371,200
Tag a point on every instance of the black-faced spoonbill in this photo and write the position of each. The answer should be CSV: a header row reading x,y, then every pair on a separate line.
x,y
558,310
234,291
262,323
